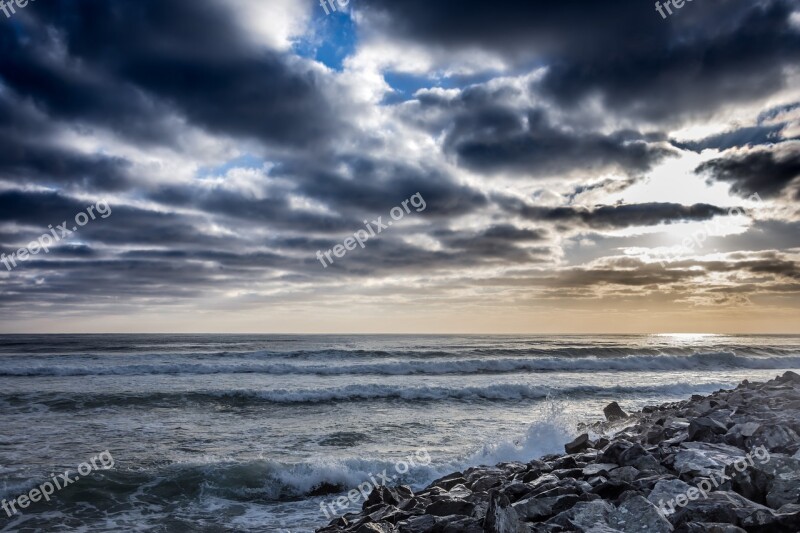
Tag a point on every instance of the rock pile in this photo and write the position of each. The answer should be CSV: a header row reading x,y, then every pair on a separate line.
x,y
645,479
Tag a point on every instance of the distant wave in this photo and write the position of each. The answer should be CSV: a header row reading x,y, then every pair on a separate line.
x,y
349,393
630,363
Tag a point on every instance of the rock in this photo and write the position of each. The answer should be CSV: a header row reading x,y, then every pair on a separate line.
x,y
486,483
463,525
585,515
418,524
449,481
578,445
375,528
450,507
459,491
598,468
703,429
775,437
789,377
774,482
501,517
534,509
625,473
614,412
709,527
720,506
636,514
667,490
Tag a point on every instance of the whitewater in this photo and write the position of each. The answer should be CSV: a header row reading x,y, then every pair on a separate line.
x,y
251,433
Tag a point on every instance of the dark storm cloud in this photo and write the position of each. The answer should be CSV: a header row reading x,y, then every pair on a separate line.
x,y
749,136
130,62
613,216
765,171
702,58
372,186
494,138
487,133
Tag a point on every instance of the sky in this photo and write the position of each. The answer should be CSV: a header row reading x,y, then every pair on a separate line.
x,y
566,167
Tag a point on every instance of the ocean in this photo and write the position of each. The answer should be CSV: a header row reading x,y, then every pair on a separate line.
x,y
219,433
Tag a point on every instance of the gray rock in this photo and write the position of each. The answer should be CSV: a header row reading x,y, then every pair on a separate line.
x,y
501,517
463,525
599,468
614,412
585,515
667,490
450,507
703,429
534,509
720,506
578,445
708,527
636,515
775,437
418,524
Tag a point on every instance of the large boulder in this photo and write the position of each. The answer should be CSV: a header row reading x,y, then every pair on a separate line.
x,y
614,412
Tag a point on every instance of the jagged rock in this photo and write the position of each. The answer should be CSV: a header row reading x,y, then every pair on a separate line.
x,y
708,527
501,517
459,491
614,412
578,445
375,528
450,481
775,437
789,377
774,482
720,506
599,468
450,507
584,515
624,473
636,514
703,429
418,524
534,509
667,490
463,525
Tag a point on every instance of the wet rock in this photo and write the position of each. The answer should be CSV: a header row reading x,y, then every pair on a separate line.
x,y
578,445
463,525
450,507
637,514
599,468
584,515
775,437
418,524
501,517
705,428
708,527
614,412
720,506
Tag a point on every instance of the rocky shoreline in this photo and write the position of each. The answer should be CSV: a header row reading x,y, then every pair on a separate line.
x,y
723,463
